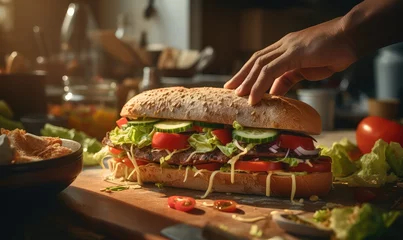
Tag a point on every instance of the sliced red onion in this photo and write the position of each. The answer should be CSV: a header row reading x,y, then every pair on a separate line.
x,y
300,151
275,146
272,150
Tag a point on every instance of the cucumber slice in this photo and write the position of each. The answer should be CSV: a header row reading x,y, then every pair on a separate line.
x,y
209,125
170,126
143,122
255,135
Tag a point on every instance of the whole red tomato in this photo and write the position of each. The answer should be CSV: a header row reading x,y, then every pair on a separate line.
x,y
373,128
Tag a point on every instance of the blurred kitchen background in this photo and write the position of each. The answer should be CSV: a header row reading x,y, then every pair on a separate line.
x,y
75,63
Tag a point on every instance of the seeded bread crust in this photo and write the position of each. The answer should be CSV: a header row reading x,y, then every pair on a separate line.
x,y
219,105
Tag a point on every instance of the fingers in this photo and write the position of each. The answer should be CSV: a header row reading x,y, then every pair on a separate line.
x,y
254,73
285,82
237,80
268,74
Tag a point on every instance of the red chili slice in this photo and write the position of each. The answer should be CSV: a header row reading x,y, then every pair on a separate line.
x,y
181,203
225,205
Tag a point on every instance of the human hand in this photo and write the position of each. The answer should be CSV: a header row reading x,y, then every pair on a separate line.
x,y
314,54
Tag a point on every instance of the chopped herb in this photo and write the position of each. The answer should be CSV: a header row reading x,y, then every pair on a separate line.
x,y
114,188
159,185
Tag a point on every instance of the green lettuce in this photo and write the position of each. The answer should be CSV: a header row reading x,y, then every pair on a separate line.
x,y
373,171
203,143
356,223
228,149
342,165
290,161
237,126
207,142
394,157
96,158
90,145
321,215
140,136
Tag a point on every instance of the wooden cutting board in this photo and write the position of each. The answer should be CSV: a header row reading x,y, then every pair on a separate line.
x,y
145,210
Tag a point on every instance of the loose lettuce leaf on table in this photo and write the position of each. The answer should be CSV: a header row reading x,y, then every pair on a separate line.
x,y
394,157
356,223
342,165
374,169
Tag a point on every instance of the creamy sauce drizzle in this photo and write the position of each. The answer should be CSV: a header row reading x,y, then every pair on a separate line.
x,y
186,174
210,184
293,187
249,220
268,178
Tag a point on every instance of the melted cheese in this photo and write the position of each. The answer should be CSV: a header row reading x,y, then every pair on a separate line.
x,y
210,184
234,159
110,165
126,172
131,174
293,187
186,174
248,220
200,171
208,204
268,183
115,170
136,167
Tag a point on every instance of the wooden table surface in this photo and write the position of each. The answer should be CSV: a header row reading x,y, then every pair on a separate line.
x,y
143,213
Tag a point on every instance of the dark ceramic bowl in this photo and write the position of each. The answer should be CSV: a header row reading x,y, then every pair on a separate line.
x,y
43,177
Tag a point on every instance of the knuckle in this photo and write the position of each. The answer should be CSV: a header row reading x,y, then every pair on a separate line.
x,y
259,62
257,54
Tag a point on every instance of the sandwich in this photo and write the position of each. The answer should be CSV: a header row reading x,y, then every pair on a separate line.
x,y
210,139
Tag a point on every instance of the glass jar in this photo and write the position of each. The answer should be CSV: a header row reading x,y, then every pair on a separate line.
x,y
91,107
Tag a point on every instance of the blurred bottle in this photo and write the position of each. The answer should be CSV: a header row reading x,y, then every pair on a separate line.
x,y
124,29
151,79
389,72
81,56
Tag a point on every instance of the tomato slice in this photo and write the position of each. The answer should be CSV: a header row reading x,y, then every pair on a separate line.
x,y
224,135
258,166
209,166
121,122
181,203
324,164
129,163
198,128
225,205
293,142
169,141
115,151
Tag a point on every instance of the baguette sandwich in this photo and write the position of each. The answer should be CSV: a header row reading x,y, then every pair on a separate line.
x,y
209,139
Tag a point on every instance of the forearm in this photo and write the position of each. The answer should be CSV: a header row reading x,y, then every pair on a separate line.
x,y
373,24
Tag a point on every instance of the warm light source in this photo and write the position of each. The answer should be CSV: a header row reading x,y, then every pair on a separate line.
x,y
70,11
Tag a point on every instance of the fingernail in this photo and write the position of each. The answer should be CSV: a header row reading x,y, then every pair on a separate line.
x,y
250,100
